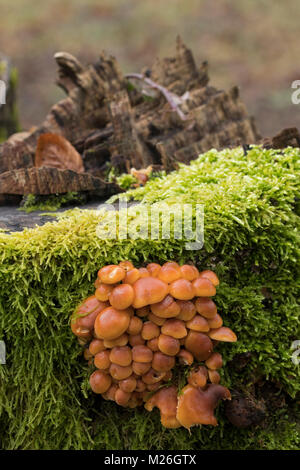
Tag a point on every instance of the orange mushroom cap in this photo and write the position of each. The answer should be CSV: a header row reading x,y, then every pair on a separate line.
x,y
167,308
101,360
187,310
198,323
175,328
215,322
182,289
169,272
153,344
203,287
121,355
100,381
189,272
121,397
214,376
166,400
215,361
103,291
149,290
155,319
223,334
206,307
196,406
199,345
83,319
153,269
168,345
96,346
144,272
120,341
136,340
128,385
111,323
135,326
198,377
126,265
140,368
120,372
161,362
142,354
150,330
132,276
211,276
111,274
122,296
152,376
185,357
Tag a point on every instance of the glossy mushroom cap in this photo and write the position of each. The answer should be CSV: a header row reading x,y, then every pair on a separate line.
x,y
198,323
111,323
121,296
121,355
215,322
185,357
103,291
215,361
167,308
150,330
199,345
203,287
111,274
119,341
135,326
169,272
100,381
175,328
148,291
187,310
120,372
128,385
96,346
182,289
153,269
211,276
102,360
162,363
142,354
198,377
168,345
189,272
206,307
223,334
122,397
132,276
196,406
166,400
83,319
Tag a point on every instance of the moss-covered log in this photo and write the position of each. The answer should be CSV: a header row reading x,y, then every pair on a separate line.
x,y
251,241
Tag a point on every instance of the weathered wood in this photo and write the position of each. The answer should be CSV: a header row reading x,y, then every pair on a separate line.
x,y
289,137
166,114
52,181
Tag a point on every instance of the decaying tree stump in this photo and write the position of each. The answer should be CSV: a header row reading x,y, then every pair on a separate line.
x,y
166,114
8,106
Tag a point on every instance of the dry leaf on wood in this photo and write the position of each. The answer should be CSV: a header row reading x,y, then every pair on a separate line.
x,y
55,151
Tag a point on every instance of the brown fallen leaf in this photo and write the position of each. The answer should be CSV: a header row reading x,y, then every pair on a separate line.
x,y
55,151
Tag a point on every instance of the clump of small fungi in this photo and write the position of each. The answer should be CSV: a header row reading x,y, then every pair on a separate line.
x,y
139,322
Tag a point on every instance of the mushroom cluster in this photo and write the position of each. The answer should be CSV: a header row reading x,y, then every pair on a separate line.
x,y
138,323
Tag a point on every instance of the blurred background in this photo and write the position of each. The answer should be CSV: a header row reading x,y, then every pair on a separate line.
x,y
250,43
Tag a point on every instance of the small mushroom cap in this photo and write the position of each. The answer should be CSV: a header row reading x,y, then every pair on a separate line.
x,y
120,372
162,363
111,274
215,361
167,308
143,312
168,345
150,330
120,341
100,381
140,368
169,272
155,319
198,323
214,376
83,319
121,397
128,385
166,400
198,377
154,387
185,357
211,276
121,355
203,287
101,360
126,265
182,289
149,290
187,310
135,326
223,334
189,272
175,328
140,386
215,322
153,344
142,354
122,296
103,291
96,346
199,345
153,269
111,323
206,307
87,354
111,392
136,340
152,376
144,272
132,276
196,406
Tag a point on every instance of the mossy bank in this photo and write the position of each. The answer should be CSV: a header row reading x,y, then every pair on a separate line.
x,y
251,241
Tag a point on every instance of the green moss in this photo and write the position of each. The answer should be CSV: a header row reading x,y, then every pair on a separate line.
x,y
53,202
251,240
